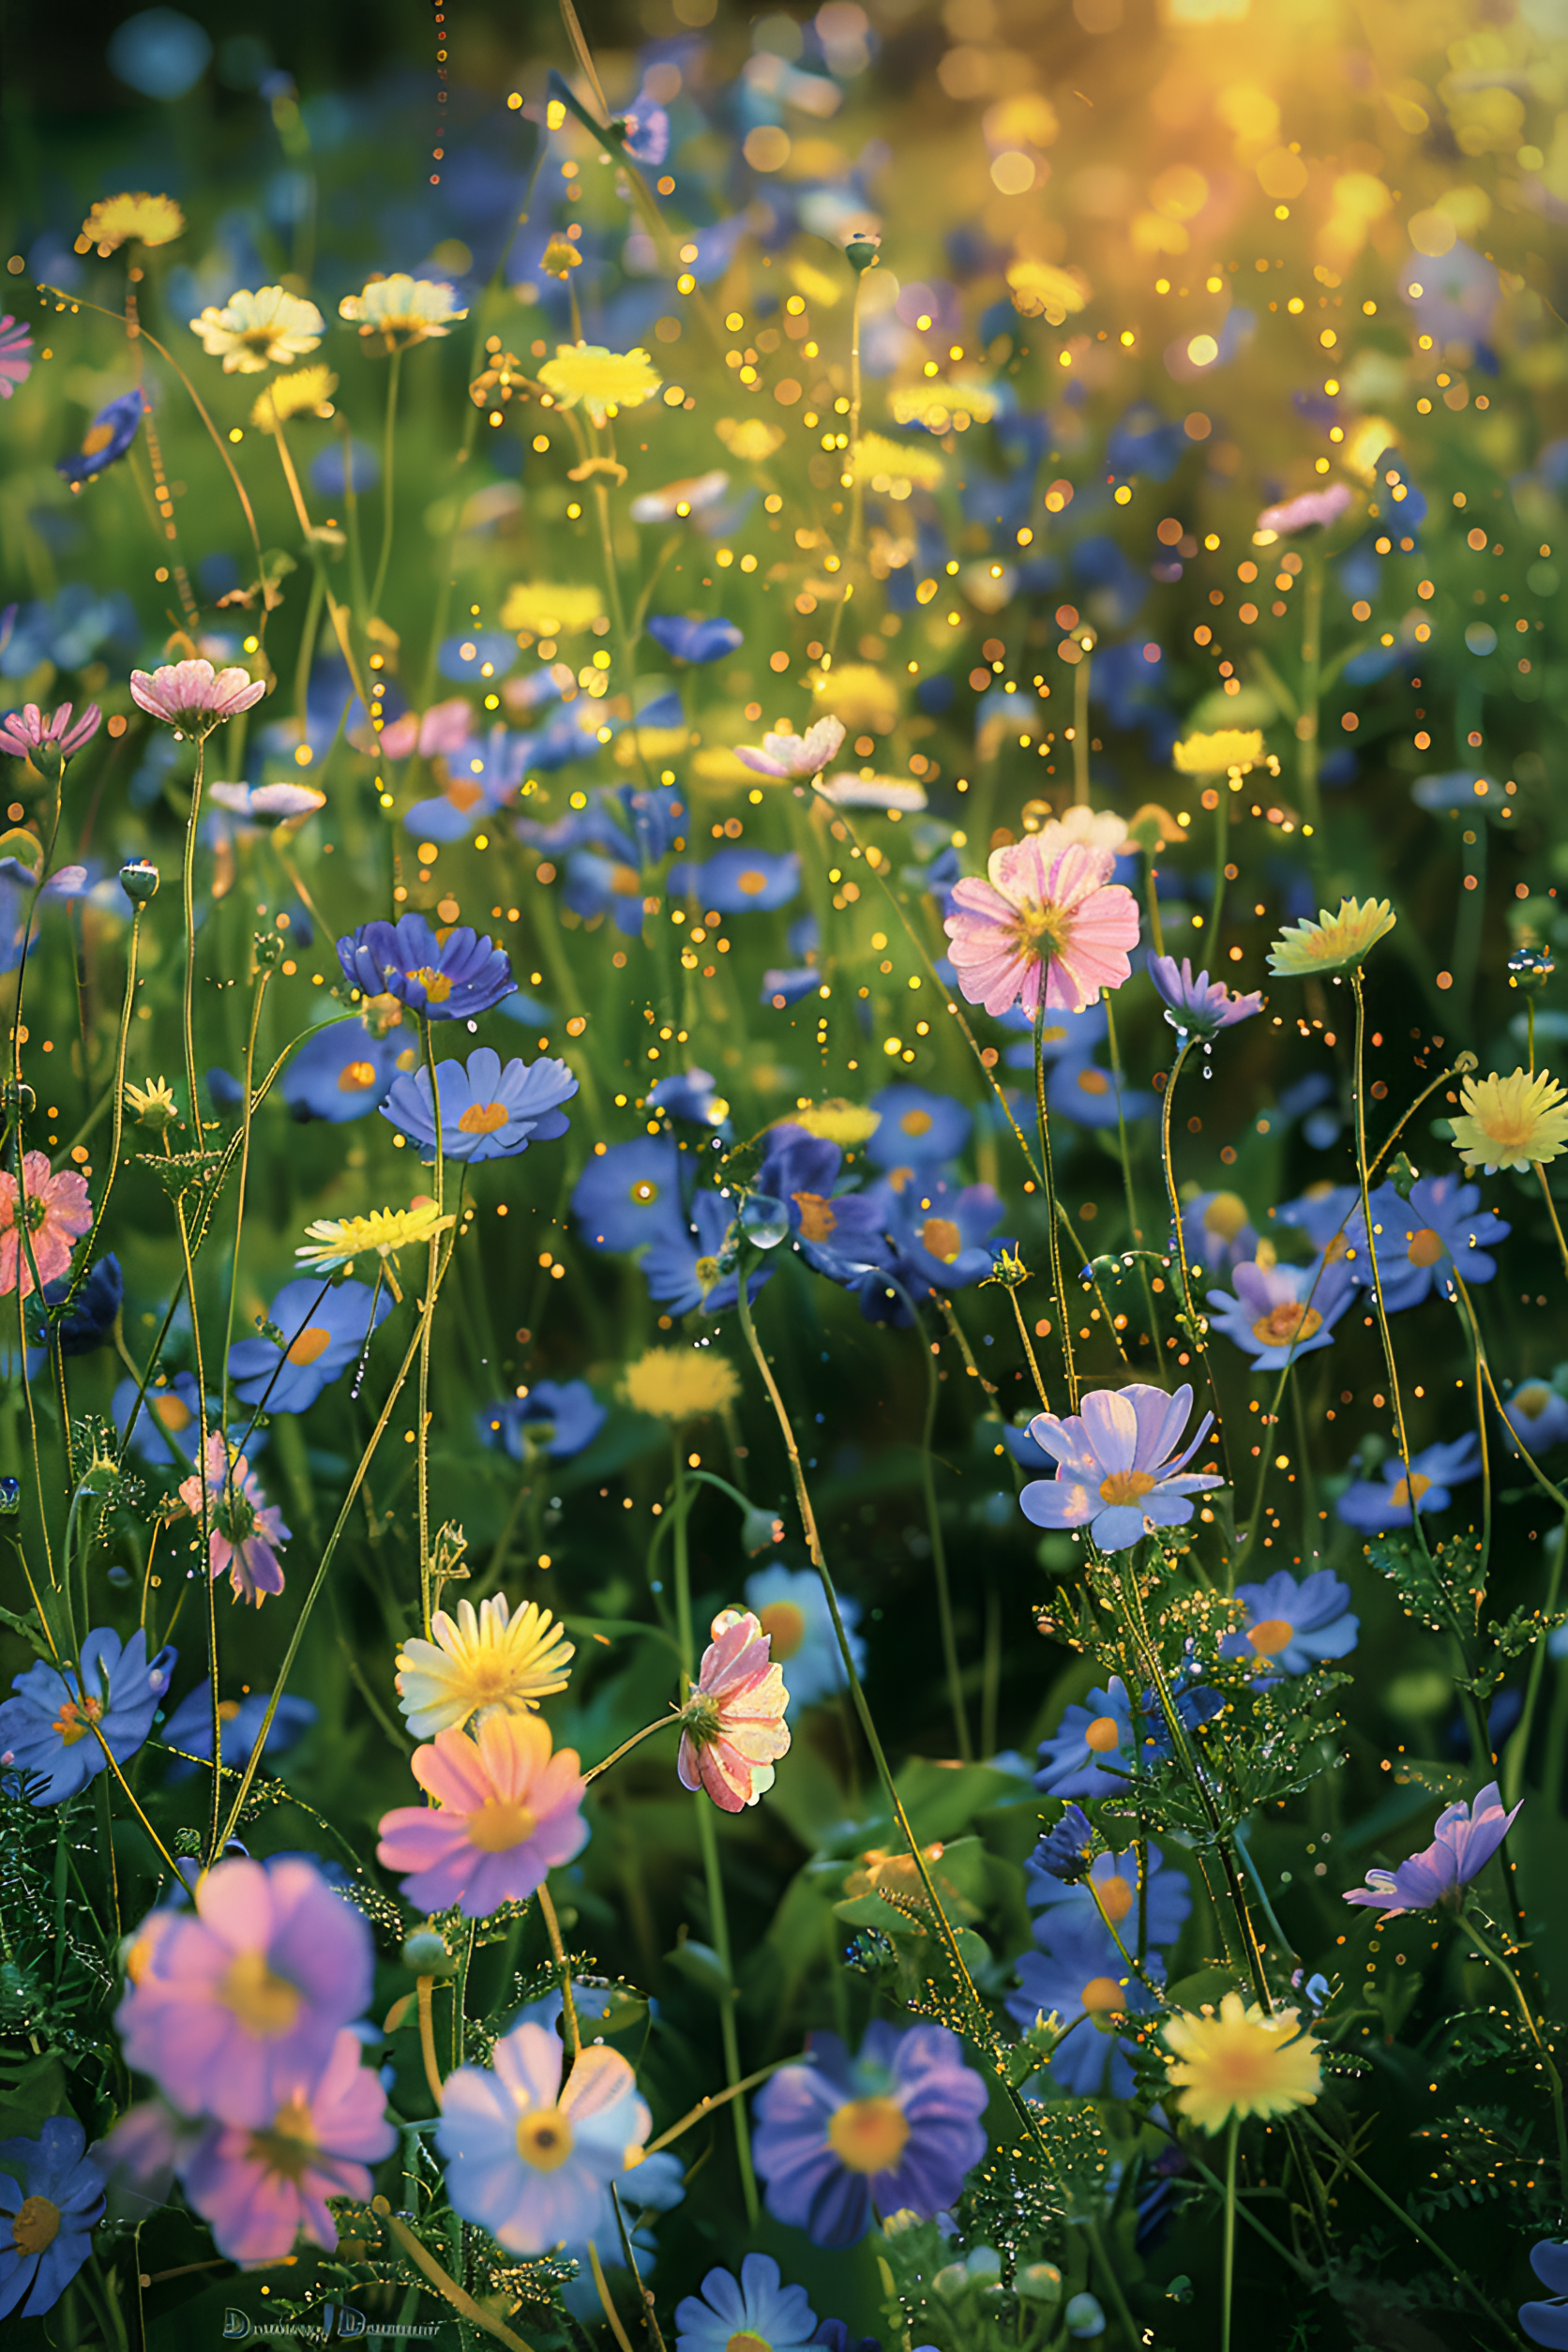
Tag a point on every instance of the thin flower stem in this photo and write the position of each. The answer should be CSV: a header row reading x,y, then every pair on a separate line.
x,y
1080,725
938,1556
706,2107
1053,1239
424,1991
1136,1967
629,2254
389,443
1359,1081
422,2259
1551,1212
1229,2271
857,491
187,885
263,976
572,2034
1196,1325
616,2327
1029,1351
666,1722
204,1493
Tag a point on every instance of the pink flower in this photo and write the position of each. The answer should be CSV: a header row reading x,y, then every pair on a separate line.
x,y
1049,927
16,355
507,1812
192,697
1320,507
795,755
24,732
233,2006
732,1727
444,729
244,1528
59,1214
259,2186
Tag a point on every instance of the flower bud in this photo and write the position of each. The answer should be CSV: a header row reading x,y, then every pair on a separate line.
x,y
11,1496
270,949
1039,2282
425,1952
860,250
139,880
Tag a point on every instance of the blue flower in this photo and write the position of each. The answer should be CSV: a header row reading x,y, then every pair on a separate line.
x,y
1084,1979
1216,1230
49,1733
897,2127
321,1327
916,1126
645,131
598,885
940,1234
839,1235
98,1301
170,1410
190,1727
342,1071
448,979
1282,1312
1547,2323
487,1112
1061,1907
51,2209
759,2309
630,1193
70,629
572,734
1145,443
1092,1754
684,1266
1063,1852
1117,1470
1537,1414
694,641
780,987
1292,1625
792,1608
106,439
692,1095
1093,1097
559,1417
1433,1475
1422,1239
477,654
1323,1213
737,881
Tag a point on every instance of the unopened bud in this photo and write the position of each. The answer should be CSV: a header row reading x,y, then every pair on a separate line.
x,y
140,880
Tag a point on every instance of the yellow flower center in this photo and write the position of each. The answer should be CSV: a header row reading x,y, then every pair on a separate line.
x,y
917,1122
1103,1735
357,1076
1116,1896
1094,1083
1124,1486
1406,1492
173,1413
1224,1216
312,1341
816,1218
743,2341
708,1272
1040,933
544,2139
265,2004
1425,1248
626,882
1286,1324
1103,1993
98,437
1269,1637
500,1824
76,1718
35,2226
784,1622
869,2135
751,881
288,2145
643,1193
1532,1401
941,1237
435,984
484,1118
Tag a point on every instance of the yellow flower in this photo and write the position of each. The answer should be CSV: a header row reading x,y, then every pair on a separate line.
x,y
253,331
559,258
681,1383
154,1103
1040,288
1367,442
307,392
1515,1122
401,308
814,283
1230,752
1240,2063
1334,941
479,1664
938,405
339,1241
550,610
863,697
750,439
897,466
841,1123
115,220
605,380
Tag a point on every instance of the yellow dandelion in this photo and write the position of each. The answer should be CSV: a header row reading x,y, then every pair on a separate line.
x,y
306,393
604,381
836,1121
1229,752
1041,289
1336,941
1240,2063
334,1241
559,258
480,1664
681,1383
862,696
897,466
115,220
549,609
1514,1122
750,439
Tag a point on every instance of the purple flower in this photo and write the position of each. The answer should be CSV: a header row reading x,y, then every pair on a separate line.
x,y
1426,1485
1063,1852
242,1528
1116,1471
25,733
1198,1007
1547,2323
233,2005
898,2126
258,2189
645,131
447,979
1464,1841
56,1729
1294,1625
50,2211
1279,1313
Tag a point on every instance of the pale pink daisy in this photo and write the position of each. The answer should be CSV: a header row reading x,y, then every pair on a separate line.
x,y
16,355
732,1727
1049,927
795,755
25,733
244,1528
59,1214
260,2186
192,697
1315,508
445,728
507,1812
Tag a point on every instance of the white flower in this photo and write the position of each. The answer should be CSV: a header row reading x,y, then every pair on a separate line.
x,y
253,331
403,308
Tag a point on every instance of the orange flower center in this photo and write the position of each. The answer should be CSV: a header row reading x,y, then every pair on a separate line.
x,y
1103,1735
265,2005
941,1237
1406,1492
751,881
1103,1993
357,1076
1269,1637
35,2226
1286,1322
76,1718
173,1413
500,1824
624,881
1425,1248
484,1118
816,1218
1124,1486
1094,1083
784,1622
869,2135
312,1341
1116,1896
917,1122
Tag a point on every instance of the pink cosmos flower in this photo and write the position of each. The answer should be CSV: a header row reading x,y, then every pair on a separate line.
x,y
24,732
445,728
282,801
259,2186
507,1812
16,355
59,1214
1320,506
1049,927
795,755
234,2005
192,697
244,1528
732,1727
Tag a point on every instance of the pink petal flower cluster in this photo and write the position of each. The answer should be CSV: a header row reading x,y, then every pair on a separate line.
x,y
58,1212
732,1727
260,2188
507,1812
192,697
805,755
445,728
1049,927
24,732
1313,509
244,1528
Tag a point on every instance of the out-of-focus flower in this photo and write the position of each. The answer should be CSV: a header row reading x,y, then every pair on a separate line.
x,y
50,1732
895,467
479,1665
1313,510
334,1241
47,2205
488,1111
630,1193
862,696
1049,926
240,1722
1216,1229
805,755
342,1071
258,2187
759,2308
915,1126
1292,1626
1231,751
1279,1313
442,730
550,610
508,1811
1117,1474
1465,1838
96,1307
58,1211
645,131
106,439
1334,942
1065,1850
446,978
679,1384
938,403
733,1728
306,393
677,500
243,1527
896,2129
555,1417
1109,1891
698,641
1537,1414
193,698
1425,1487
691,1095
16,354
531,2159
283,803
750,440
321,1328
604,381
254,331
114,220
738,881
1515,1121
792,1609
1240,2062
1041,289
847,790
402,311
174,1407
26,732
1198,1007
1547,2323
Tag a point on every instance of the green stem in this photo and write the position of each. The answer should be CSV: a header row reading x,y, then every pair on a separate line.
x,y
1229,2271
1551,1212
1059,1291
1312,671
1222,850
189,890
572,2034
388,452
938,1555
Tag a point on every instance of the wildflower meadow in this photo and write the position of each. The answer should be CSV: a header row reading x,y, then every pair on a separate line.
x,y
783,1170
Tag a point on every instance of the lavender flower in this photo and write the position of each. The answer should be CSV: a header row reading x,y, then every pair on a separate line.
x,y
1464,1841
1116,1470
1198,1007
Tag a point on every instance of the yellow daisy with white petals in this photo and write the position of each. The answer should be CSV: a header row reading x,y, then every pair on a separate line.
x,y
480,1662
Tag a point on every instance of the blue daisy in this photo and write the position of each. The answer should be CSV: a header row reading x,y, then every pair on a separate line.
x,y
1433,1475
321,1328
630,1193
488,1111
450,976
1423,1240
737,881
1537,1413
558,1417
1093,1754
51,2206
1216,1230
684,1265
343,1070
190,1727
792,1608
916,1127
50,1732
1279,1313
759,2308
694,641
1084,1979
1295,1625
106,439
1061,1907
